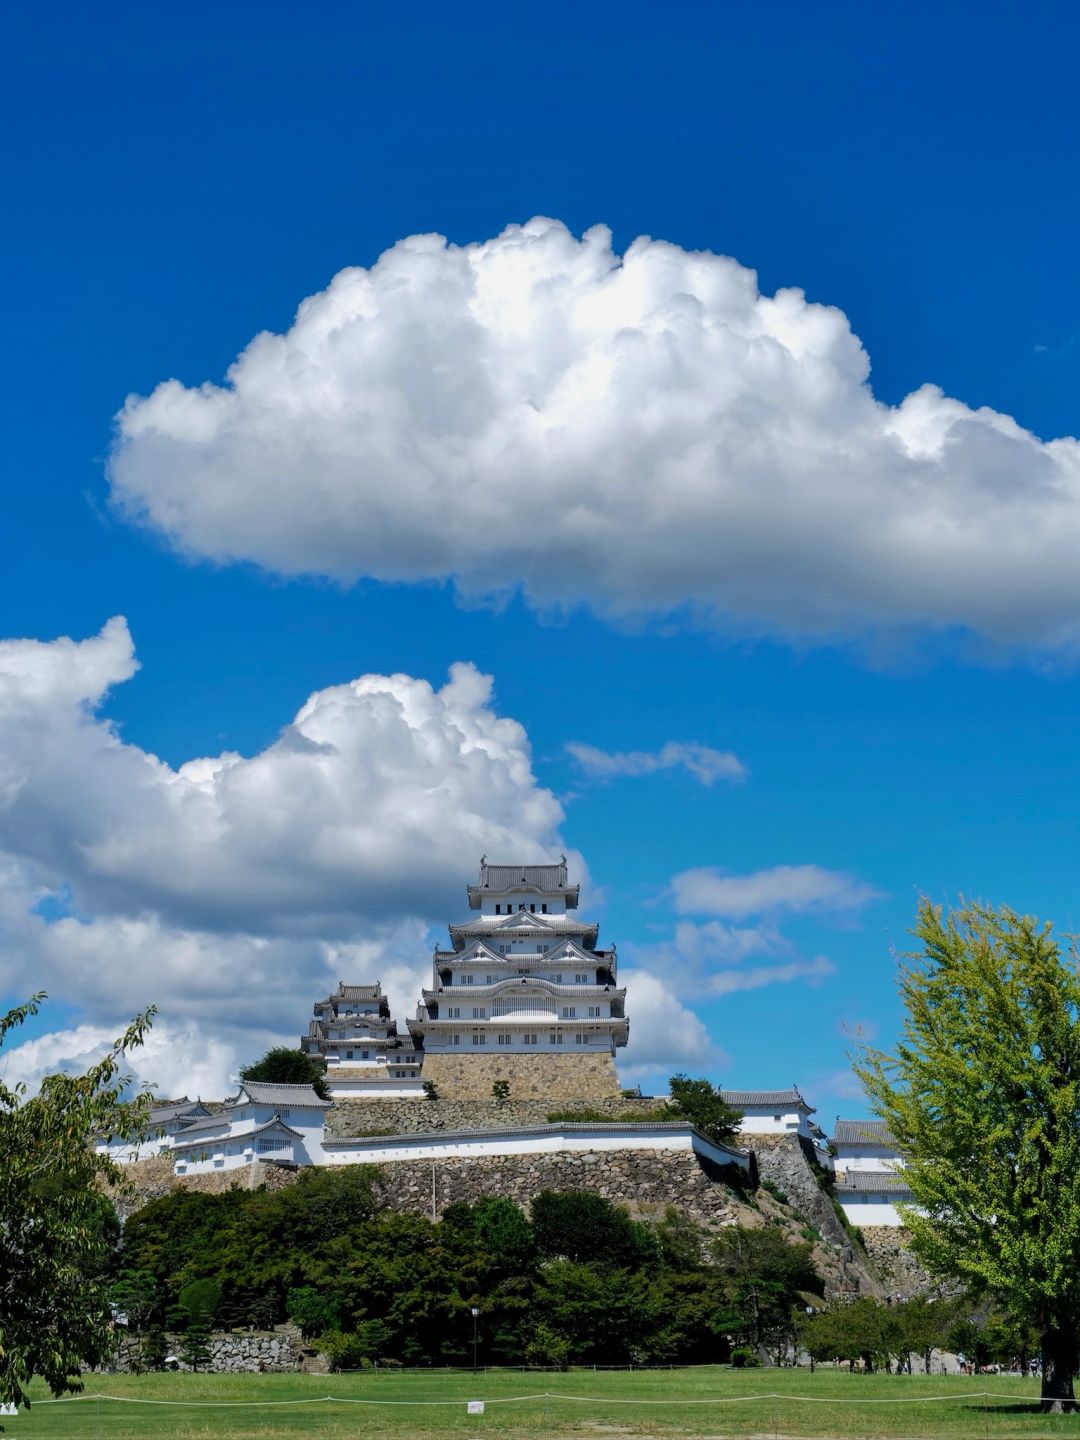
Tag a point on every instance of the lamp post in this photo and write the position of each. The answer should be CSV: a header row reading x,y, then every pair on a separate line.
x,y
475,1322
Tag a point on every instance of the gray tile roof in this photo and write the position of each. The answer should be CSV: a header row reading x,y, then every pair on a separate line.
x,y
739,1098
863,1132
162,1114
206,1122
545,879
265,1094
883,1182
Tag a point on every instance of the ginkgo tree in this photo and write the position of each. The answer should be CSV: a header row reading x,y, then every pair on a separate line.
x,y
982,1094
58,1228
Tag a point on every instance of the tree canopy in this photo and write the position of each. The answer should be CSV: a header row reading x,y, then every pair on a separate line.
x,y
59,1229
701,1103
577,1281
284,1066
983,1097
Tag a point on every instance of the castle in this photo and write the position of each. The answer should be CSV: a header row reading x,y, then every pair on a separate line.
x,y
524,1007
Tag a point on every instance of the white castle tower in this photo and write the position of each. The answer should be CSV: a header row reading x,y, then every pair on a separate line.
x,y
523,979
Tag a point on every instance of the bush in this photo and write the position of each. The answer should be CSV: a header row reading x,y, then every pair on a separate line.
x,y
342,1351
744,1357
771,1188
431,1090
314,1312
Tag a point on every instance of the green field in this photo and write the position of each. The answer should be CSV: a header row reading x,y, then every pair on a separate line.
x,y
704,1401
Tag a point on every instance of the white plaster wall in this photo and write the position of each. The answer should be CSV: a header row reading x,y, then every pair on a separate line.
x,y
433,1147
869,1212
342,1087
873,1160
764,1122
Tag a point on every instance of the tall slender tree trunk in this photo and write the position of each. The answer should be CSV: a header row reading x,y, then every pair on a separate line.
x,y
1060,1357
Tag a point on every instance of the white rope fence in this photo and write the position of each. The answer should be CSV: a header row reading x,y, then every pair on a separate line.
x,y
547,1395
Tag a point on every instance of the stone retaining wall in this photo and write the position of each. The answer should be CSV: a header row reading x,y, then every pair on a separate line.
x,y
583,1078
352,1117
647,1181
237,1352
900,1272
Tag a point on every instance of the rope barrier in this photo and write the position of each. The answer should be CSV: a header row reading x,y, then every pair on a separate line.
x,y
546,1395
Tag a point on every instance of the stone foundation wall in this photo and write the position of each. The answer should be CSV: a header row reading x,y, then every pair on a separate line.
x,y
237,1352
900,1272
150,1179
647,1181
543,1077
351,1116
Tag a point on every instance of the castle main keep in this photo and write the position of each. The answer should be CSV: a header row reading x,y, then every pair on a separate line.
x,y
523,994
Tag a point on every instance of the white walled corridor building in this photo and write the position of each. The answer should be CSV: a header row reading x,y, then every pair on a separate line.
x,y
281,1123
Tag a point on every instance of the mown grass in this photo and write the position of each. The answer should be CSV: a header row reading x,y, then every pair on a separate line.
x,y
704,1401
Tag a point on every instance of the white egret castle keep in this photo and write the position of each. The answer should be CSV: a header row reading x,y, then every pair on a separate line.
x,y
523,994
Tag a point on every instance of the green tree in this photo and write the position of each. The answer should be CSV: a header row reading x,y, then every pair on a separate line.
x,y
983,1096
201,1300
284,1066
701,1103
195,1343
577,1225
857,1331
58,1228
313,1310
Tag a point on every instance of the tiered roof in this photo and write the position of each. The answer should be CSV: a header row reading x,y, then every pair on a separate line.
x,y
871,1133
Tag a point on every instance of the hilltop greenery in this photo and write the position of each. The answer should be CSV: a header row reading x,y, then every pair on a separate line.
x,y
580,1281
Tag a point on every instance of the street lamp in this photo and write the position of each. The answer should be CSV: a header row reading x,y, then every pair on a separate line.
x,y
475,1321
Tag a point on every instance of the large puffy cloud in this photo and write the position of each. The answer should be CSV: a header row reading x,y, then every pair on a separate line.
x,y
637,433
234,891
364,806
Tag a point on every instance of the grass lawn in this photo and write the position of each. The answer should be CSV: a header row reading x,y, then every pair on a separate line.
x,y
705,1401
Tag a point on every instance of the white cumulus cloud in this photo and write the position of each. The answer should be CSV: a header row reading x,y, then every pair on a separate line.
x,y
794,889
666,1037
641,433
704,763
234,891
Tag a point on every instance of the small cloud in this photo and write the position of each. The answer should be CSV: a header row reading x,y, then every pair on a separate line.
x,y
812,972
704,763
795,889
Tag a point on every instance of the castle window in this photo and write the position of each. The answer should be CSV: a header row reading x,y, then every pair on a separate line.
x,y
532,909
468,979
529,1039
503,1039
365,1054
455,1039
594,1012
579,1039
498,909
543,909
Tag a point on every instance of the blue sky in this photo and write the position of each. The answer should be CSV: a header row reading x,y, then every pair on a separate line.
x,y
178,186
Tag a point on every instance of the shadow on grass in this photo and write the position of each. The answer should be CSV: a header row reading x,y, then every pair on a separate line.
x,y
1023,1407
